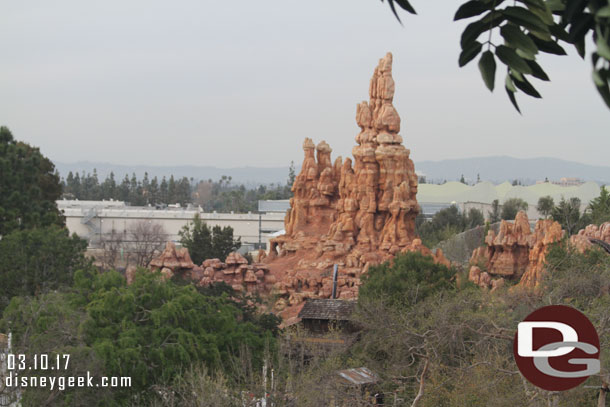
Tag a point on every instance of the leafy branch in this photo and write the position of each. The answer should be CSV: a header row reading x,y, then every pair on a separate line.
x,y
528,28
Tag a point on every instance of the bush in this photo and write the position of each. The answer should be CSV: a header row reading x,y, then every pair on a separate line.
x,y
409,279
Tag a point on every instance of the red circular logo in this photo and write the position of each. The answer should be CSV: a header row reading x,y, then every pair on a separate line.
x,y
556,348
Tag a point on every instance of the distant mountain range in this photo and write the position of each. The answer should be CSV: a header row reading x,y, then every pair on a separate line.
x,y
496,169
503,168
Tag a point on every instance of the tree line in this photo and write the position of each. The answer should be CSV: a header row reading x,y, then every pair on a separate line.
x,y
568,211
137,192
221,195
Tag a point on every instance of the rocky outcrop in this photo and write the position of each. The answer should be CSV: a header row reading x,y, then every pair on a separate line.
x,y
351,213
235,270
515,253
582,240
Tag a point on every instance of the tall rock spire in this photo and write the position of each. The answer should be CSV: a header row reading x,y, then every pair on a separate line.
x,y
354,213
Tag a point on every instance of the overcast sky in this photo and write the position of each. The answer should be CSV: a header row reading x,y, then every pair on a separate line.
x,y
244,82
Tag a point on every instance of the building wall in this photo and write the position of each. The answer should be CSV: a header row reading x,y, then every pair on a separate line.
x,y
91,219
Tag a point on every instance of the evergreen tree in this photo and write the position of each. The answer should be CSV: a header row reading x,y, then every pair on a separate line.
x,y
109,188
146,199
600,207
197,238
154,191
223,242
37,260
568,214
291,174
29,187
205,243
183,191
124,189
164,191
171,190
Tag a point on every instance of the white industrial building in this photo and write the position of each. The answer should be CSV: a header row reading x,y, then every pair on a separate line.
x,y
92,220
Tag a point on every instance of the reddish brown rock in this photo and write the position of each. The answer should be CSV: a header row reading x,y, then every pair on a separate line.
x,y
355,212
173,258
582,240
516,252
235,259
546,232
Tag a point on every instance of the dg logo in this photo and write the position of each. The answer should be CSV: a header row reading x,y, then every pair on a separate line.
x,y
556,348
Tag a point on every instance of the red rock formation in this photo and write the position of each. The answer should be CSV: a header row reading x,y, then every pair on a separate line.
x,y
351,214
172,258
234,271
516,252
546,232
581,240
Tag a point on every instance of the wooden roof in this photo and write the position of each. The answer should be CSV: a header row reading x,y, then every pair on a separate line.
x,y
327,309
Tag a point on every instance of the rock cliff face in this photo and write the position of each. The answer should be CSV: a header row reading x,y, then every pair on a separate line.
x,y
582,240
351,213
515,253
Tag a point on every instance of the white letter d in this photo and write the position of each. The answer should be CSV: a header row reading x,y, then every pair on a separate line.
x,y
525,337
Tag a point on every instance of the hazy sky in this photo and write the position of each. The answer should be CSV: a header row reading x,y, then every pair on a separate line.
x,y
244,82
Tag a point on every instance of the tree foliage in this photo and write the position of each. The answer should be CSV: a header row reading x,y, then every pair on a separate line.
x,y
545,206
130,189
205,243
454,347
29,186
511,207
152,331
568,214
35,261
406,281
600,207
221,195
528,28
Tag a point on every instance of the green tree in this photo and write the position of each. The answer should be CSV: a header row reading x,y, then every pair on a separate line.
x,y
462,180
568,214
600,207
223,242
29,186
124,189
512,206
153,330
38,260
164,191
50,324
494,214
171,190
528,29
109,188
205,243
197,238
545,206
473,218
291,175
